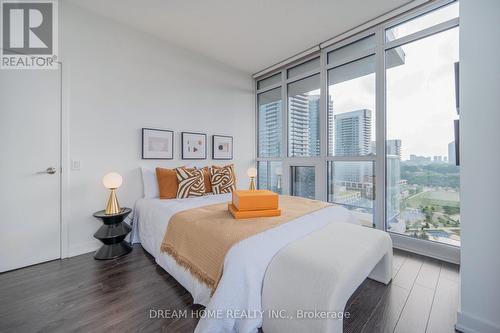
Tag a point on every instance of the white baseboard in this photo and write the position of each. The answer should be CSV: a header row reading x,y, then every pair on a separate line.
x,y
431,249
82,248
467,323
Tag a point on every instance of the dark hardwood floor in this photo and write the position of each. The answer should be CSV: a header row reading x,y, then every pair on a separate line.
x,y
82,294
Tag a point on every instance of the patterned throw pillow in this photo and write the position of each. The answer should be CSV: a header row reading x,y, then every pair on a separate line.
x,y
223,179
191,183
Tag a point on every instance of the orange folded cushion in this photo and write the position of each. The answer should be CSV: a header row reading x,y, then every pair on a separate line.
x,y
247,200
246,214
167,183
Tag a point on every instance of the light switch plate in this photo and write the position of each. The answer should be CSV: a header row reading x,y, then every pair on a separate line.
x,y
75,165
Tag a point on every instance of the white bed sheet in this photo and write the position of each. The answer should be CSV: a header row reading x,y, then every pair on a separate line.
x,y
151,217
245,264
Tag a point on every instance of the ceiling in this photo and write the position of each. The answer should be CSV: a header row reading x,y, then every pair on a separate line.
x,y
248,35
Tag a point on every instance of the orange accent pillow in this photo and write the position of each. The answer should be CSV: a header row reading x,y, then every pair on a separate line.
x,y
206,179
167,183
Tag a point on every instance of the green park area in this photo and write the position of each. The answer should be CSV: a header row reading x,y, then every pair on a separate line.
x,y
437,198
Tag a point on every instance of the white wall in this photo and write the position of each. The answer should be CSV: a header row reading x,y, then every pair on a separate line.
x,y
117,80
480,165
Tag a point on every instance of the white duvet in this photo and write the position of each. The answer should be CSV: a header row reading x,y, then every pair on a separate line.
x,y
237,300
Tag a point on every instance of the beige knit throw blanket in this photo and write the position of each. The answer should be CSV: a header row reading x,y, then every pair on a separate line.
x,y
199,238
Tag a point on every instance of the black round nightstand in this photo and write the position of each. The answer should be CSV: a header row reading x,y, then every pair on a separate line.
x,y
112,234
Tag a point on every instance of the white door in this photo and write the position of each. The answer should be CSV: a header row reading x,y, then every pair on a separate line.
x,y
30,150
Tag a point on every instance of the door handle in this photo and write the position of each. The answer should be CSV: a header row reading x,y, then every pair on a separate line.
x,y
49,170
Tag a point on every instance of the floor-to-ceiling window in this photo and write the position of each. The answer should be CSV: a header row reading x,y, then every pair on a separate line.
x,y
351,118
368,122
270,132
303,127
422,195
303,110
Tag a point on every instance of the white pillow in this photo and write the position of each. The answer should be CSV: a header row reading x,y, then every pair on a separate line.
x,y
150,183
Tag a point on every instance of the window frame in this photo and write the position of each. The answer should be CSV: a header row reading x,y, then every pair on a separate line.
x,y
437,250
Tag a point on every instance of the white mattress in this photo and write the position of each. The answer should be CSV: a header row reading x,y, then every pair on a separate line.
x,y
245,264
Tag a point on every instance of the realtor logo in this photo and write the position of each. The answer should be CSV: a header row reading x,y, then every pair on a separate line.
x,y
29,39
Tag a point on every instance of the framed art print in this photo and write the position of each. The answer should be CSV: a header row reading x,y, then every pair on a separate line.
x,y
157,144
194,146
222,147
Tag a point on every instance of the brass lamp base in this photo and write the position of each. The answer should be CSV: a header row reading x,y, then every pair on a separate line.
x,y
252,184
113,206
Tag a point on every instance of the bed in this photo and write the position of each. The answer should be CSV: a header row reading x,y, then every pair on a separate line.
x,y
238,296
